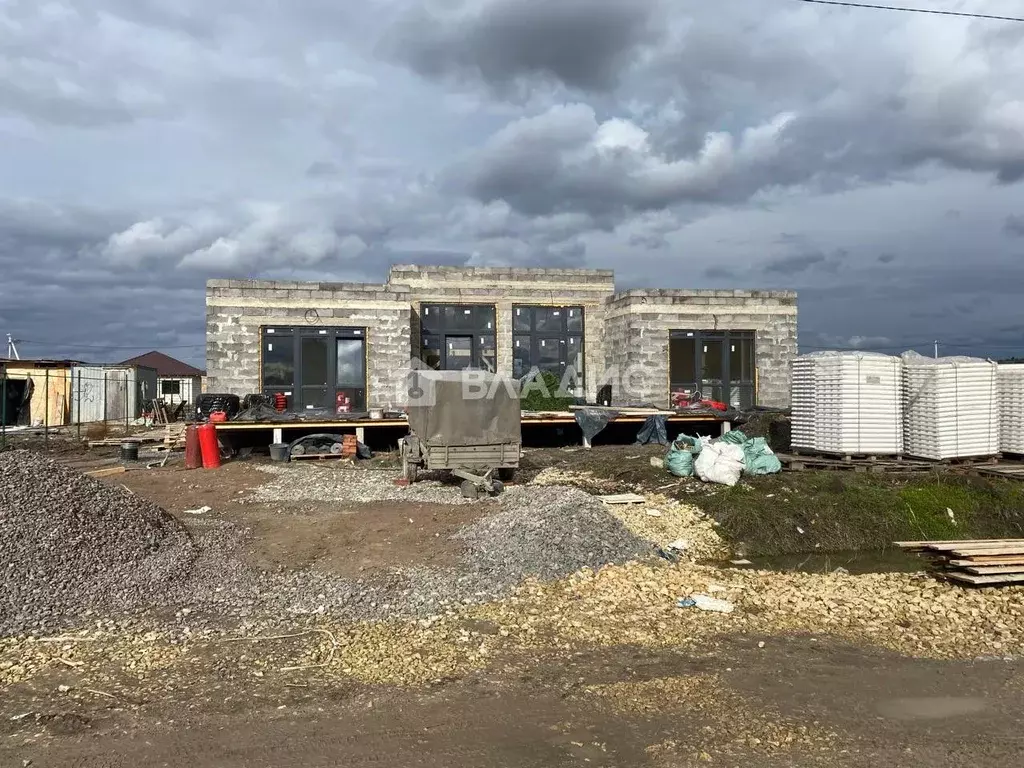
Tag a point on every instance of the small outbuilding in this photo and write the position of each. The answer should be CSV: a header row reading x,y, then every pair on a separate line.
x,y
177,381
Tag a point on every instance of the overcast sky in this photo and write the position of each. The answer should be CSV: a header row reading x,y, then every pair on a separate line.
x,y
872,160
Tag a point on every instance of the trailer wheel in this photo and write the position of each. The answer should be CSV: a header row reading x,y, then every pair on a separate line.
x,y
497,487
469,489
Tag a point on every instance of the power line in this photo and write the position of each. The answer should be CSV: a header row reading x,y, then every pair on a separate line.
x,y
932,11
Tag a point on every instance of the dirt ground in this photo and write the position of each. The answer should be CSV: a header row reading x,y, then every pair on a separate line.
x,y
357,542
797,701
771,700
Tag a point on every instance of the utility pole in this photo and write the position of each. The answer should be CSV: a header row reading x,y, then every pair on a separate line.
x,y
936,349
12,350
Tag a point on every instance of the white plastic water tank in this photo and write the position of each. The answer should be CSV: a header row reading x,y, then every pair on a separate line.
x,y
1011,408
951,406
847,403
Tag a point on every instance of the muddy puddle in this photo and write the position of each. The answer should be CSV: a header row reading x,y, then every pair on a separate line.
x,y
854,561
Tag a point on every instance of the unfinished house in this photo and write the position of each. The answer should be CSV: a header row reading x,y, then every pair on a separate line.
x,y
346,346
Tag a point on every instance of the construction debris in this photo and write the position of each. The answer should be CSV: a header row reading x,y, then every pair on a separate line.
x,y
69,543
979,562
675,524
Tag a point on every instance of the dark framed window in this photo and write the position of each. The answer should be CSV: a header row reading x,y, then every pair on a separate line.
x,y
717,364
315,368
170,387
548,339
458,336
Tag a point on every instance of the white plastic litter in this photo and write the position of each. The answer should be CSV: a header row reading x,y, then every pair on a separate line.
x,y
720,463
201,511
708,603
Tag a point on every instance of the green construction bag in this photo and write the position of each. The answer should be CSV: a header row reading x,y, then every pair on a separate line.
x,y
680,456
758,458
736,437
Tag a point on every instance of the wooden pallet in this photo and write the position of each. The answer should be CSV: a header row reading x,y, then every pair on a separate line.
x,y
847,457
1010,471
804,462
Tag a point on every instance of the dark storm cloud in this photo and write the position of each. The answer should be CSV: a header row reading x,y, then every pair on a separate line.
x,y
582,43
827,116
670,142
792,265
1014,226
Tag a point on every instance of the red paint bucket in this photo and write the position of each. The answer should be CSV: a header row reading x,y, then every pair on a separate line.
x,y
208,446
193,455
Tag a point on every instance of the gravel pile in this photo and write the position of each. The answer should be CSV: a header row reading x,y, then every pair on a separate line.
x,y
547,532
305,482
542,533
69,543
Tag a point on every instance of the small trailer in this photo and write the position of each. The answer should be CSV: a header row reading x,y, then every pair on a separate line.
x,y
467,422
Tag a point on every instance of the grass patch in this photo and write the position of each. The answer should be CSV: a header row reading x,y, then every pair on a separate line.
x,y
846,511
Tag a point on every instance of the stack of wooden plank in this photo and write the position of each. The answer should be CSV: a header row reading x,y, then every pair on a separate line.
x,y
981,562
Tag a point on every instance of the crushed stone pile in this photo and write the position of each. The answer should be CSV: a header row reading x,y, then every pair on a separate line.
x,y
546,533
69,544
533,532
297,482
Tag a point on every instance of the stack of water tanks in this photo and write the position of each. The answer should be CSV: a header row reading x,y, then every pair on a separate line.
x,y
951,406
1011,408
848,403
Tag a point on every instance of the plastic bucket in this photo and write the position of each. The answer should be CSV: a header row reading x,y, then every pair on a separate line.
x,y
279,451
130,450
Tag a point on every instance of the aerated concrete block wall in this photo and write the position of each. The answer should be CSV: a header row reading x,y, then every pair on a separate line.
x,y
638,324
622,331
237,309
505,287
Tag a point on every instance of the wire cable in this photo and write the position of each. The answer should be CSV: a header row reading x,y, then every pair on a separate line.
x,y
932,11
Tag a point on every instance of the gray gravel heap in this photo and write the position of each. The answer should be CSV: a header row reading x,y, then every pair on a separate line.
x,y
547,533
541,532
69,543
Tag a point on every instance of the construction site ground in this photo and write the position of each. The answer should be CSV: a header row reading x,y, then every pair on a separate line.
x,y
598,668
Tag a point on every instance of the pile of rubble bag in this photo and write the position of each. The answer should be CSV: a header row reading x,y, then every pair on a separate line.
x,y
722,460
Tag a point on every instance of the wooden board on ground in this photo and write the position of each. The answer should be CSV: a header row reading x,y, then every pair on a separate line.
x,y
988,581
623,498
992,560
1011,471
979,562
970,552
107,471
991,570
295,457
924,544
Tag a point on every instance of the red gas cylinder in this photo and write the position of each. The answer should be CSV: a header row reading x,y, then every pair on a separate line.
x,y
193,456
208,445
